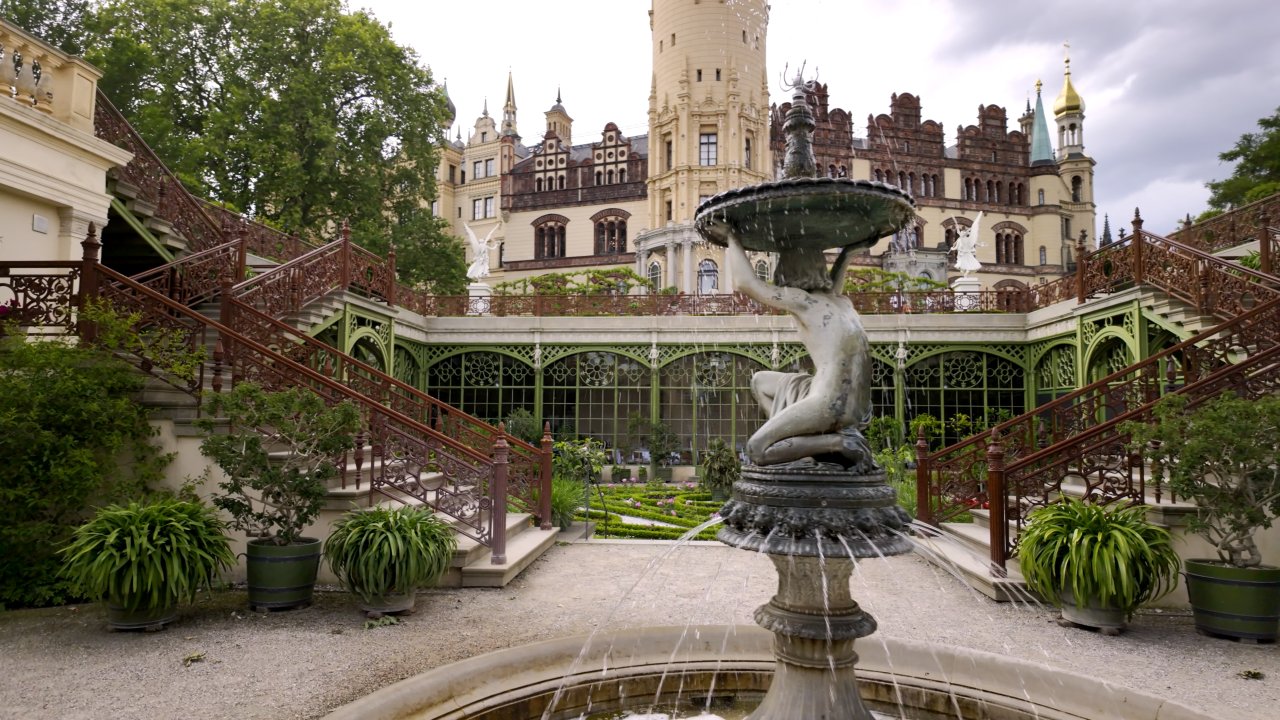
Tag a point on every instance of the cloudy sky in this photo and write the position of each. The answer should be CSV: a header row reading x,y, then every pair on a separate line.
x,y
1168,84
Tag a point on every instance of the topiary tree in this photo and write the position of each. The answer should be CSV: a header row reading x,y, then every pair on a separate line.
x,y
1225,456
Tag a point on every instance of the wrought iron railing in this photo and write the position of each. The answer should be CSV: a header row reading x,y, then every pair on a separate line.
x,y
529,466
408,457
605,305
1258,221
1078,432
224,239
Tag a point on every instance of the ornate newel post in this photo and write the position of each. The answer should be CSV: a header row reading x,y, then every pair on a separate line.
x,y
812,497
89,280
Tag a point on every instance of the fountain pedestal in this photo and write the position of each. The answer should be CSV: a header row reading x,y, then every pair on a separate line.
x,y
814,520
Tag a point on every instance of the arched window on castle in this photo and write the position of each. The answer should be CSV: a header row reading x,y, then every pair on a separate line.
x,y
708,277
762,270
611,236
1008,247
548,237
655,276
1076,184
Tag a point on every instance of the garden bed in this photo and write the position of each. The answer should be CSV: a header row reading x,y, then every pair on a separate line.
x,y
679,507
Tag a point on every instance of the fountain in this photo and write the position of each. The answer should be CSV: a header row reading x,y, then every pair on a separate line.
x,y
812,499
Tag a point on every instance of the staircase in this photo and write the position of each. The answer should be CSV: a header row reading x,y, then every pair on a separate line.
x,y
978,493
416,450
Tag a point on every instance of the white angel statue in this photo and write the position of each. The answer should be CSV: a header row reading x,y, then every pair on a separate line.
x,y
966,248
479,267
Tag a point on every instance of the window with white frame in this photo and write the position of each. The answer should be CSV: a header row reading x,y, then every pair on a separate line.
x,y
707,149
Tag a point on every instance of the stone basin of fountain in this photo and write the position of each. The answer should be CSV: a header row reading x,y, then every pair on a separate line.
x,y
805,213
645,668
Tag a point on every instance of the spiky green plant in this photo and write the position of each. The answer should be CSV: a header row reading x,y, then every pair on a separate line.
x,y
1107,552
382,551
720,467
146,556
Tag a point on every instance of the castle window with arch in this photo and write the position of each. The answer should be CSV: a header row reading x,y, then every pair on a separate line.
x,y
655,276
548,237
1076,184
1008,247
708,277
762,270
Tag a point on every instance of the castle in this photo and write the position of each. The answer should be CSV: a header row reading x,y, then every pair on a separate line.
x,y
629,202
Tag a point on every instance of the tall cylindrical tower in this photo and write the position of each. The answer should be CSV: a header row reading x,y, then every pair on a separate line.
x,y
708,103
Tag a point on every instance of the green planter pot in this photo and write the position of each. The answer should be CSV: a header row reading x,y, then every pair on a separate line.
x,y
1235,602
392,604
282,576
1108,621
121,618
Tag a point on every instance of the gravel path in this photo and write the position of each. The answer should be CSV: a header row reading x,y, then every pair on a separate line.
x,y
62,663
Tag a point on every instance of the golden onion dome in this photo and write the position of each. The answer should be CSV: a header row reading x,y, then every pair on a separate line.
x,y
1069,101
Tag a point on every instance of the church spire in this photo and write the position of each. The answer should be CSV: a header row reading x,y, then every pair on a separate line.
x,y
509,109
1041,149
1106,231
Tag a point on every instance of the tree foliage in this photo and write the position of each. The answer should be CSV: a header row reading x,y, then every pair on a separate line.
x,y
1225,456
301,112
60,23
69,421
1257,170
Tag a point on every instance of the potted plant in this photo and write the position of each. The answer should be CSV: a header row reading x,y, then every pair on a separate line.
x,y
720,469
144,558
278,454
1097,562
1224,455
384,555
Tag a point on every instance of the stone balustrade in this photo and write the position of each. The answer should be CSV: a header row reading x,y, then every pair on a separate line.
x,y
40,76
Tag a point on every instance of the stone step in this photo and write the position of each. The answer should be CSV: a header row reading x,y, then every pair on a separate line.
x,y
955,549
522,550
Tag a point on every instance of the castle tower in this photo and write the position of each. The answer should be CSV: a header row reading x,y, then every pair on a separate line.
x,y
559,123
708,123
1074,167
509,110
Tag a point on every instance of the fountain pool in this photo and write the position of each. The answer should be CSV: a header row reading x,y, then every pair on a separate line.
x,y
648,669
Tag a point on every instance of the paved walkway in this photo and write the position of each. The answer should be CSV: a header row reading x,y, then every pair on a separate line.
x,y
62,663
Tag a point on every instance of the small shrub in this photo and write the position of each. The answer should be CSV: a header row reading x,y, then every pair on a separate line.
x,y
523,425
278,456
566,498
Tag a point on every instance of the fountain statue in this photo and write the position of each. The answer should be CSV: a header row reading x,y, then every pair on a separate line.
x,y
812,497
